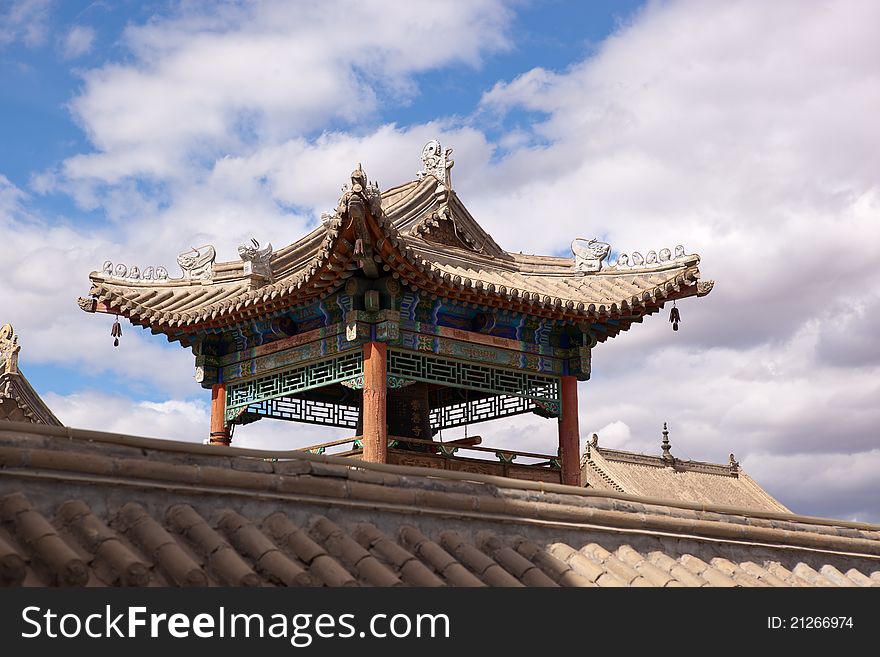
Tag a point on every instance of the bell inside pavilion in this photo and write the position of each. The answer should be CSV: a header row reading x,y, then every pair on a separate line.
x,y
397,317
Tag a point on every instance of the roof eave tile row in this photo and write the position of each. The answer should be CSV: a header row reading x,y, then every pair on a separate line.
x,y
228,302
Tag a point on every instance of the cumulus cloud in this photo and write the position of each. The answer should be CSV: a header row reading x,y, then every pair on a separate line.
x,y
78,41
745,131
184,419
47,265
25,21
201,85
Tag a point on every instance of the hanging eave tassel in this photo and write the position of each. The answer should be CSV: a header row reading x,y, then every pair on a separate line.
x,y
116,331
674,317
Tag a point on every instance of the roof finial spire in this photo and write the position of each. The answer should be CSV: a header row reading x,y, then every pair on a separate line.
x,y
667,454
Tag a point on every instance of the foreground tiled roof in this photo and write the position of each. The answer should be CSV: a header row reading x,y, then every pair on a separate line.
x,y
673,479
422,234
82,508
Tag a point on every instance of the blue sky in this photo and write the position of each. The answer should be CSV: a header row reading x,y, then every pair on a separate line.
x,y
746,131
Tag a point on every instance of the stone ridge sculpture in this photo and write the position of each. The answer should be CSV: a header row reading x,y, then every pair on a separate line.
x,y
437,163
256,260
589,254
198,263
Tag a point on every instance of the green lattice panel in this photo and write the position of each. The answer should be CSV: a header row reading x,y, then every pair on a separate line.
x,y
287,382
436,369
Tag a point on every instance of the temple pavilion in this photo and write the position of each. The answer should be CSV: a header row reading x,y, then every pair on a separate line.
x,y
397,317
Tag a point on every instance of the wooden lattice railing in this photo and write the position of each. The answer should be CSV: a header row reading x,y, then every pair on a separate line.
x,y
466,455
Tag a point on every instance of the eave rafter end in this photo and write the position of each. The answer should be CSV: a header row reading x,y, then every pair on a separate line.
x,y
704,287
87,304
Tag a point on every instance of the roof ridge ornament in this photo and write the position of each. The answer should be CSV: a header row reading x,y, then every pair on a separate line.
x,y
437,163
198,263
359,186
257,262
666,447
356,199
134,273
653,258
9,349
589,253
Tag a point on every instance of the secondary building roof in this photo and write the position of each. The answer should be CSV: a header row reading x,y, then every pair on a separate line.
x,y
19,402
671,478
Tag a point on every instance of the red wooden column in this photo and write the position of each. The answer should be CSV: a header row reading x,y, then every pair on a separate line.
x,y
375,438
219,430
569,435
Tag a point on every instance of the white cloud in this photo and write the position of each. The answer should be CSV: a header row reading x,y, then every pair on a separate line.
x,y
200,86
25,21
746,131
46,268
182,419
78,41
176,420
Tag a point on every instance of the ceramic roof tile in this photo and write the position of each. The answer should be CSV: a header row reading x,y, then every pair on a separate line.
x,y
831,573
712,575
267,558
349,552
859,578
219,555
477,561
783,573
13,569
586,568
63,564
300,534
561,572
628,575
681,574
514,563
411,570
762,574
120,564
145,532
808,574
438,558
656,576
739,575
322,567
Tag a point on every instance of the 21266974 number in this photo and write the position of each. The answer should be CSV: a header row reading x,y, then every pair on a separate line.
x,y
810,623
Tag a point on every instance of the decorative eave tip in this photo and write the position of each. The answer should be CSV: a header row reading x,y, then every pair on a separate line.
x,y
704,287
87,304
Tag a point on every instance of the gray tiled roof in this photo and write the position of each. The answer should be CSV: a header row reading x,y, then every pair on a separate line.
x,y
675,479
476,270
82,508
